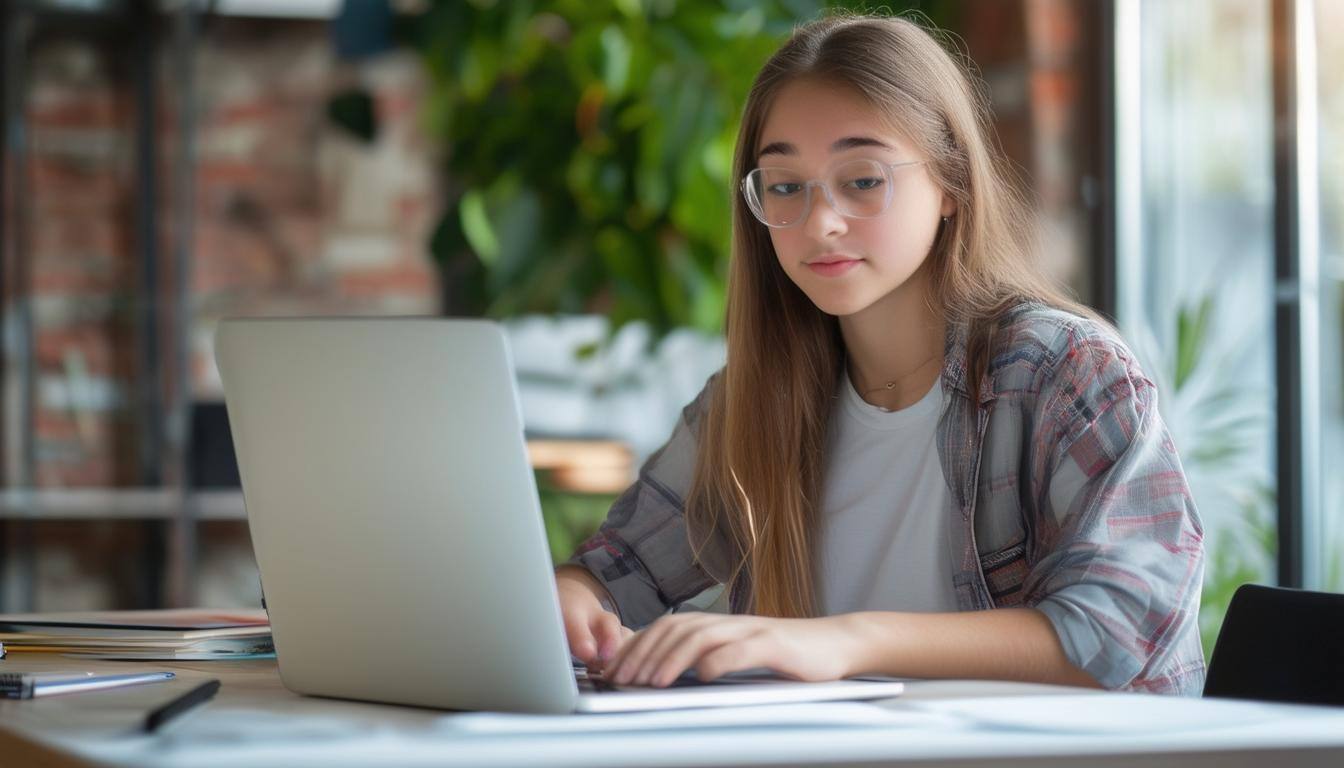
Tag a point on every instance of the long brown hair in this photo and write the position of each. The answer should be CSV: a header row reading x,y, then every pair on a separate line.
x,y
757,480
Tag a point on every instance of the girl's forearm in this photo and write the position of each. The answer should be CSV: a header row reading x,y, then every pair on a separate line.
x,y
1002,644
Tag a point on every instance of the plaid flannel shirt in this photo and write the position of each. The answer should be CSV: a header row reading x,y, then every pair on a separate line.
x,y
1066,495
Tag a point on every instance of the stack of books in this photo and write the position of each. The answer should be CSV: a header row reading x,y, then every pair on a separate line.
x,y
182,634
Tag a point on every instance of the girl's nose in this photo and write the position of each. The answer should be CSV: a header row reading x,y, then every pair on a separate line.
x,y
823,221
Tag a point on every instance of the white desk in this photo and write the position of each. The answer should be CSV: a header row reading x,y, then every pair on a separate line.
x,y
254,721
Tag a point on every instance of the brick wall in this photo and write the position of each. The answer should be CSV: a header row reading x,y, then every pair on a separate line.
x,y
292,216
1039,58
80,268
1066,107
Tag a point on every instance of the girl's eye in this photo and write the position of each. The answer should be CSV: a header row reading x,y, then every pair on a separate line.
x,y
784,189
864,184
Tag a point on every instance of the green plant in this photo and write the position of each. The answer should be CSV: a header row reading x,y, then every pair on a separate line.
x,y
587,149
1219,426
1228,565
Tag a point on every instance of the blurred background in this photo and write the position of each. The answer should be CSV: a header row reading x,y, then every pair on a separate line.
x,y
564,167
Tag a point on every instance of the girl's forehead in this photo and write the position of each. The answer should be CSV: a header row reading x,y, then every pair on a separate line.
x,y
814,119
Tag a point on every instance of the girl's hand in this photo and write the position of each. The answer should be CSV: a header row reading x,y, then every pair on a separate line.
x,y
593,632
715,644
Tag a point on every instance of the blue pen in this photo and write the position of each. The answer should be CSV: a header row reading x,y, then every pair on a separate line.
x,y
20,685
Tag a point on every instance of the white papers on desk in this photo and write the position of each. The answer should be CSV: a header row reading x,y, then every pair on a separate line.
x,y
1082,714
169,635
793,716
1109,713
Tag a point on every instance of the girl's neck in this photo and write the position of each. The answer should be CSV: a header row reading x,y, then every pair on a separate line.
x,y
894,348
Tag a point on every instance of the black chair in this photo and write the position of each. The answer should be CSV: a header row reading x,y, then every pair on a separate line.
x,y
1280,645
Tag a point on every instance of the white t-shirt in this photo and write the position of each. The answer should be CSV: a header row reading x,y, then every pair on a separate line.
x,y
884,540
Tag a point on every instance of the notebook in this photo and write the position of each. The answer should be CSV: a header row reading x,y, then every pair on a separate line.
x,y
179,634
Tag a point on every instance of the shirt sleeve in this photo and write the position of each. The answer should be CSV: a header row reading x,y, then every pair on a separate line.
x,y
1123,563
641,553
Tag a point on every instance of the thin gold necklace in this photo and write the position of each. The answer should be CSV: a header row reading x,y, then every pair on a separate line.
x,y
890,385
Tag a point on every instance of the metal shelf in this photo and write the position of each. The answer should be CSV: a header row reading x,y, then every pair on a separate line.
x,y
135,32
577,466
120,504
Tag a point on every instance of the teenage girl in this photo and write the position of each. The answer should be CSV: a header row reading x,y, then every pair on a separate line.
x,y
920,459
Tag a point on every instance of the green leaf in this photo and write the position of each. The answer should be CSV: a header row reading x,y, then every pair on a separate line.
x,y
518,221
615,60
1192,329
476,227
479,67
631,9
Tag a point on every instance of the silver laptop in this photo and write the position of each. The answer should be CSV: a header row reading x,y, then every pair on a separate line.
x,y
397,528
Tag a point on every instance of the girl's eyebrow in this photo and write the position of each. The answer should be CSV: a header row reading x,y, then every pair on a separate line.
x,y
850,142
839,145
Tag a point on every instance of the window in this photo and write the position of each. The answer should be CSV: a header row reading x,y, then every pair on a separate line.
x,y
1195,171
1330,144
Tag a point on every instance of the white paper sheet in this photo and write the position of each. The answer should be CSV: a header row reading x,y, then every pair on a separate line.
x,y
1116,713
818,715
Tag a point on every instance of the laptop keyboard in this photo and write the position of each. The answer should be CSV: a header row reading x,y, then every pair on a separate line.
x,y
598,685
595,684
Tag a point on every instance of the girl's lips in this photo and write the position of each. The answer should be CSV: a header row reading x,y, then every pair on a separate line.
x,y
833,268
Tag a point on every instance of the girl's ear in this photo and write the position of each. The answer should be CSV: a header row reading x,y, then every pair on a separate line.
x,y
949,207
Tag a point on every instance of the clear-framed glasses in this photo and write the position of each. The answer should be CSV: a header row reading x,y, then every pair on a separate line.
x,y
856,189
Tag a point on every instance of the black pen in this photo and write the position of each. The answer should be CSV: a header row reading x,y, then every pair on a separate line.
x,y
198,695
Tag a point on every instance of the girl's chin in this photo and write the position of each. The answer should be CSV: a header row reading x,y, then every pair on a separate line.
x,y
840,305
